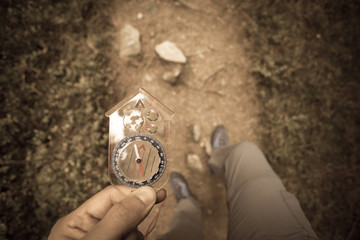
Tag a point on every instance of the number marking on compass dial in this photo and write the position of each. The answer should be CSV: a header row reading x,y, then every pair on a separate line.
x,y
139,160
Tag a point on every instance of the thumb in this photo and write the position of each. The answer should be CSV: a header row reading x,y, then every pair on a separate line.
x,y
124,216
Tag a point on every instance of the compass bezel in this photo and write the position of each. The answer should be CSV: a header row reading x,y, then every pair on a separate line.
x,y
125,142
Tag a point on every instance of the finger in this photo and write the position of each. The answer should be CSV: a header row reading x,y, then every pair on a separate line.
x,y
99,204
124,216
81,220
160,195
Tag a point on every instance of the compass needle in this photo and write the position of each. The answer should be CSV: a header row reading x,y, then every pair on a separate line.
x,y
138,160
136,151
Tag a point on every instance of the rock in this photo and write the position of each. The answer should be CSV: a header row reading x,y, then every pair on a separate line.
x,y
170,52
196,132
205,143
209,211
140,16
130,41
193,162
172,76
148,77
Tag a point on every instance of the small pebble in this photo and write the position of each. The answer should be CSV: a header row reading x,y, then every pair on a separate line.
x,y
208,148
172,76
148,78
130,41
193,161
196,132
205,143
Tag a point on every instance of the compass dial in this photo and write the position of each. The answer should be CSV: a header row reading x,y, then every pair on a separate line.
x,y
139,160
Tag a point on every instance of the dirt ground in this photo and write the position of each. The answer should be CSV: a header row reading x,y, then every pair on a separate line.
x,y
282,74
214,88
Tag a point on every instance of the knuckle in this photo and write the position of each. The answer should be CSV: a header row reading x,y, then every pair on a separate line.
x,y
75,221
128,210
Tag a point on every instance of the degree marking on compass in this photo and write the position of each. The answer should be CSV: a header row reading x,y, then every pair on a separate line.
x,y
130,160
152,164
147,161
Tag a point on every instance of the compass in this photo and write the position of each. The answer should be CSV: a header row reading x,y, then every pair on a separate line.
x,y
139,141
139,160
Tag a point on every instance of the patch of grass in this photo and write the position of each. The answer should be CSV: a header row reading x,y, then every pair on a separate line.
x,y
305,65
53,95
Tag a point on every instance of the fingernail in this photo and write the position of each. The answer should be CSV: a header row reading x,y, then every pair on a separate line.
x,y
146,195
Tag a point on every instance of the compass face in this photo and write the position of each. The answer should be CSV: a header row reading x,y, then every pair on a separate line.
x,y
139,160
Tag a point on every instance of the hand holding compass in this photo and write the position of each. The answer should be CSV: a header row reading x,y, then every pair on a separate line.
x,y
137,121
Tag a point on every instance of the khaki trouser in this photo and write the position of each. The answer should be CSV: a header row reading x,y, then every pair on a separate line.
x,y
259,205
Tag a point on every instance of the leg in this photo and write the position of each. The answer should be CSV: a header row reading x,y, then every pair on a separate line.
x,y
259,205
187,222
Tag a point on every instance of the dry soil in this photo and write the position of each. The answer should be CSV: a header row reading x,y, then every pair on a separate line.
x,y
214,88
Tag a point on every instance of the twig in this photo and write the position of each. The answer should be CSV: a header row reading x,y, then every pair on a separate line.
x,y
195,8
206,77
148,62
33,88
220,20
221,94
249,19
189,5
